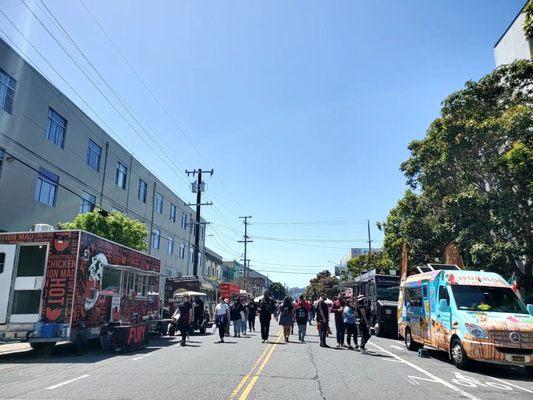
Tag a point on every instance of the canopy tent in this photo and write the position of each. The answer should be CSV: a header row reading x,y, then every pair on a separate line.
x,y
190,293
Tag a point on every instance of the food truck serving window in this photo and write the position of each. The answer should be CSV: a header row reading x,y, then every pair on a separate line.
x,y
138,284
111,281
443,294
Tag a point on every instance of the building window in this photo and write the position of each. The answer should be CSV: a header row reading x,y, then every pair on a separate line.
x,y
191,254
202,231
172,212
46,188
7,91
156,238
143,189
94,153
56,127
2,155
159,203
170,245
87,203
122,175
183,220
182,251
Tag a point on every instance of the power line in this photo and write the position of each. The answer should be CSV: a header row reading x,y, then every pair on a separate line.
x,y
334,222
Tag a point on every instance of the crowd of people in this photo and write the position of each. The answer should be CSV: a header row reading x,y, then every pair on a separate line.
x,y
350,318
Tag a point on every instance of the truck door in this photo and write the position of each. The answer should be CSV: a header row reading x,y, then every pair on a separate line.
x,y
7,260
426,314
443,326
29,276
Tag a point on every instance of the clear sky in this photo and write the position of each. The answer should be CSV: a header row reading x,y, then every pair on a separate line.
x,y
303,108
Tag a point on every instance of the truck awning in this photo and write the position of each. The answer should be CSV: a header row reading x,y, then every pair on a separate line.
x,y
132,269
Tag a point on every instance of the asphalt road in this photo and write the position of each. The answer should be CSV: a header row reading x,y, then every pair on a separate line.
x,y
244,368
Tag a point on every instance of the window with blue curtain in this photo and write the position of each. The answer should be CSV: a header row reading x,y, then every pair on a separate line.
x,y
87,202
7,91
94,154
46,187
56,127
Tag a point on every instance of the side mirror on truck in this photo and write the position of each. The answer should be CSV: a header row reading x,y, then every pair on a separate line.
x,y
530,309
443,306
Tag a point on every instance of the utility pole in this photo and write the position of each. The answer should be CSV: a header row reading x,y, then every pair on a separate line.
x,y
369,239
245,241
197,187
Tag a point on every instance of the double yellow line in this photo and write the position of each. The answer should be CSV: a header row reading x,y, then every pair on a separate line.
x,y
261,362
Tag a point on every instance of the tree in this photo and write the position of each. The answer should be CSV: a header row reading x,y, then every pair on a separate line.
x,y
471,177
323,283
277,291
114,226
361,263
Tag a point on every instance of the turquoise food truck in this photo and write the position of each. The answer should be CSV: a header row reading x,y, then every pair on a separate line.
x,y
472,315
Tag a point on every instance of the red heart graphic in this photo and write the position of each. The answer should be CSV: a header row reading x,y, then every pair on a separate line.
x,y
52,315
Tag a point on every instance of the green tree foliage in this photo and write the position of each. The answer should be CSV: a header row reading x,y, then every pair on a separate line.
x,y
323,283
115,226
471,177
378,261
528,23
277,291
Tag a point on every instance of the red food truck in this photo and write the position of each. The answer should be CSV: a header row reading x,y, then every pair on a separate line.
x,y
68,285
228,290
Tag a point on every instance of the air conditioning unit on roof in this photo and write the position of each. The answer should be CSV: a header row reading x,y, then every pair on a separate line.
x,y
41,228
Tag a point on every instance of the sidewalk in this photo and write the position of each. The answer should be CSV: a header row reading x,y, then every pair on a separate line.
x,y
6,348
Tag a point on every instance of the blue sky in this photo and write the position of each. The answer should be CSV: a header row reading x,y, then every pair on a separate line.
x,y
303,108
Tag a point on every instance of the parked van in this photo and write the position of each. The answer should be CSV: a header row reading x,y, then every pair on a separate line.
x,y
471,315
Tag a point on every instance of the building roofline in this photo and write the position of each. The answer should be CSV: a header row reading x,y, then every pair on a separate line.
x,y
511,24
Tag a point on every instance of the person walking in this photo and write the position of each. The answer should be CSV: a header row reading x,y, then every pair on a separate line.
x,y
302,315
311,309
363,322
185,319
222,315
322,318
244,318
235,316
349,317
285,317
266,308
338,308
252,311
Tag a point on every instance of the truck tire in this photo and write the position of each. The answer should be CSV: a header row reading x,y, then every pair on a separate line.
x,y
529,370
410,343
458,355
43,347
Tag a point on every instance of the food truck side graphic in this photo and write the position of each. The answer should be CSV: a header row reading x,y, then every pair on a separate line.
x,y
472,315
55,285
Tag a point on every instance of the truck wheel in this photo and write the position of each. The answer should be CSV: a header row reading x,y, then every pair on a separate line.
x,y
410,342
171,330
529,370
43,347
458,354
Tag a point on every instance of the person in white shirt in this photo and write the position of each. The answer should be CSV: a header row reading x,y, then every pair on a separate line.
x,y
221,318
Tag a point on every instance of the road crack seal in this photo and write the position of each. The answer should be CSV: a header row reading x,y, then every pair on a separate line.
x,y
316,377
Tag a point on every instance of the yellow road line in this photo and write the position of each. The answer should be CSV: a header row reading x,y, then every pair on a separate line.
x,y
247,376
248,388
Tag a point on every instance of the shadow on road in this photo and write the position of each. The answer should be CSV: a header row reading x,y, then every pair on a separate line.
x,y
69,352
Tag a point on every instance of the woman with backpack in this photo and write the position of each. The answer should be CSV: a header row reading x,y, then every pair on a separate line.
x,y
285,317
349,316
302,315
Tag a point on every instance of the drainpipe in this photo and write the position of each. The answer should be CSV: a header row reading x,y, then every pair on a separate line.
x,y
104,173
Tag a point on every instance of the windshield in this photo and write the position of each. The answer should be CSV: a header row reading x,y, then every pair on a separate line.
x,y
488,299
388,293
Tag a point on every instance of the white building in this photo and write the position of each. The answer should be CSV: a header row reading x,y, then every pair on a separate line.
x,y
513,44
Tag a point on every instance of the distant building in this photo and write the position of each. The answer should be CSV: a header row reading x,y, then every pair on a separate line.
x,y
354,252
513,44
213,264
